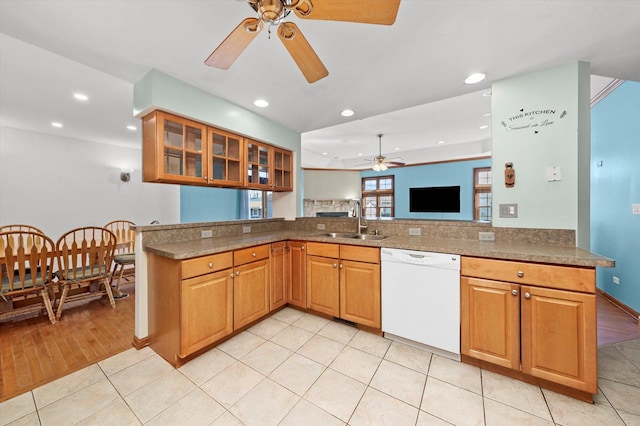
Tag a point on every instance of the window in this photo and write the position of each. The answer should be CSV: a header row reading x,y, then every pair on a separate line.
x,y
482,194
378,197
258,203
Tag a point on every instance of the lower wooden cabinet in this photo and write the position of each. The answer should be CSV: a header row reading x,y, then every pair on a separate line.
x,y
206,310
323,285
344,281
559,341
542,332
280,273
297,284
250,285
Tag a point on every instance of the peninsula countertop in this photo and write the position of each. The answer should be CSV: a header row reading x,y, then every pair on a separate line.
x,y
570,256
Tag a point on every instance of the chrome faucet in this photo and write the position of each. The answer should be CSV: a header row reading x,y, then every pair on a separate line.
x,y
361,226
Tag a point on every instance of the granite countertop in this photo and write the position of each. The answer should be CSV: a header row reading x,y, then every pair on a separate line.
x,y
570,256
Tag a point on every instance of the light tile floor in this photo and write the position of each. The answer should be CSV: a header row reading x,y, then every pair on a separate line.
x,y
299,369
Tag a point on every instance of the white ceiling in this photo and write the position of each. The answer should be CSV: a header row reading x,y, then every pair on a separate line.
x,y
403,80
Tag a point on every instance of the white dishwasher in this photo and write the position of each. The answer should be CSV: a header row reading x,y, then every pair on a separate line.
x,y
421,299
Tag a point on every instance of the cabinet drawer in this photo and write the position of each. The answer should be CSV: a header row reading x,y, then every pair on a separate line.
x,y
206,264
552,276
250,254
359,253
323,249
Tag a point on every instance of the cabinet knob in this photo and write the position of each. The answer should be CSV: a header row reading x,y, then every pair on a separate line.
x,y
340,266
335,265
302,248
520,274
253,254
237,273
210,264
231,275
527,295
514,292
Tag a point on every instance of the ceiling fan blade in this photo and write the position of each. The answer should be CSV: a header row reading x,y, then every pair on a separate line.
x,y
234,44
301,52
364,11
396,163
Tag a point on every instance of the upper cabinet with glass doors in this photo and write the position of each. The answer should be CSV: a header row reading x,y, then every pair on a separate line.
x,y
225,158
173,149
178,150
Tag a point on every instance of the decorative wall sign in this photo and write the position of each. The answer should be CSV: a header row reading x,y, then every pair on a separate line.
x,y
534,120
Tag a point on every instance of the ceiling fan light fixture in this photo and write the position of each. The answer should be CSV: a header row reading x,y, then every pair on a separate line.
x,y
377,167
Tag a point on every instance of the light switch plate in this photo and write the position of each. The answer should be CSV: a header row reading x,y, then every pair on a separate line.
x,y
508,210
635,209
246,229
321,227
207,234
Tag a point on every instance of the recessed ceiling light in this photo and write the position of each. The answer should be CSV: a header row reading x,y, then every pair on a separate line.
x,y
261,103
487,93
347,112
359,154
486,114
440,142
396,149
56,124
132,128
484,126
474,78
325,153
80,96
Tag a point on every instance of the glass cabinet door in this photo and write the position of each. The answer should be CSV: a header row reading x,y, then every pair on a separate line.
x,y
182,143
258,167
225,158
282,172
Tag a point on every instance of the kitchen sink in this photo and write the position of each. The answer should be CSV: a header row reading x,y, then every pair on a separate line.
x,y
352,236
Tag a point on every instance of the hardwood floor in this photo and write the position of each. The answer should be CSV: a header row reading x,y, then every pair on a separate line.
x,y
34,352
614,325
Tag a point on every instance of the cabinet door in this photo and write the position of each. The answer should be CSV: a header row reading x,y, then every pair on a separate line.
x,y
490,321
559,337
297,289
177,149
250,292
258,165
322,285
282,170
279,275
360,292
225,157
206,310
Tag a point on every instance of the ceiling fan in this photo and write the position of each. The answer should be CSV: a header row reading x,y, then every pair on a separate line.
x,y
273,12
382,163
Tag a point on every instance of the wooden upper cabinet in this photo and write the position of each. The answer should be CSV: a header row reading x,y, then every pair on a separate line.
x,y
259,174
226,159
173,149
282,170
182,151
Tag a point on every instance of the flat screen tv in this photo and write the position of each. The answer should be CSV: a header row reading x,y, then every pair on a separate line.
x,y
435,199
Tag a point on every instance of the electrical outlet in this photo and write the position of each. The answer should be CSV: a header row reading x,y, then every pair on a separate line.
x,y
321,227
616,280
415,231
635,208
486,236
207,234
246,229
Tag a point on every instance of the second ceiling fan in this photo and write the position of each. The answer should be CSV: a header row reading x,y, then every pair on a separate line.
x,y
382,163
273,12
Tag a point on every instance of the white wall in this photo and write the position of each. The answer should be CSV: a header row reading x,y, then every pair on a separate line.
x,y
57,184
540,120
331,184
